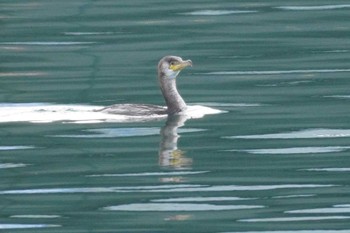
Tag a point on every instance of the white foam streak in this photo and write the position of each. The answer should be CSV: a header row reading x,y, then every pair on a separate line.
x,y
46,113
199,111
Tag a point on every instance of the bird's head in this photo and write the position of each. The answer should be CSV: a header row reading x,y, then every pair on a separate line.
x,y
170,66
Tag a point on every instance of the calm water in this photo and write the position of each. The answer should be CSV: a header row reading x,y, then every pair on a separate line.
x,y
276,161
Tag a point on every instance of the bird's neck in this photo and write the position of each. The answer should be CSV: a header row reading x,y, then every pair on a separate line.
x,y
173,99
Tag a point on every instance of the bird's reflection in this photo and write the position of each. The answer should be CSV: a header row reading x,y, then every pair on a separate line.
x,y
170,155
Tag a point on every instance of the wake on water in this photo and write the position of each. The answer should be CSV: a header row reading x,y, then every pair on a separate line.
x,y
46,113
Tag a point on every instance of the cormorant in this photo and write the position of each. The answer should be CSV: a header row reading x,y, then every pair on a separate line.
x,y
168,69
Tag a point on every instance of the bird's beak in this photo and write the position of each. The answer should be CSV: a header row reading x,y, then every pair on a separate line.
x,y
181,65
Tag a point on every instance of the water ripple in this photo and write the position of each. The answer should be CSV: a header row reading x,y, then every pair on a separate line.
x,y
16,147
12,165
311,8
294,231
114,133
297,150
293,196
142,174
335,209
294,219
214,104
302,134
35,216
216,12
339,96
276,72
201,199
21,74
26,226
48,43
121,132
178,207
337,169
164,188
87,33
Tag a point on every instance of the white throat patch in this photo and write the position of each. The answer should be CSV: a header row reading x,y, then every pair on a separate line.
x,y
171,74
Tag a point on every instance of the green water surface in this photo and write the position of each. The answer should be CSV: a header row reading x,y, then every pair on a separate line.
x,y
276,161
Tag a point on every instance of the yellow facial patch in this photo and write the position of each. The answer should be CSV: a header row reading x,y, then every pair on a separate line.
x,y
177,66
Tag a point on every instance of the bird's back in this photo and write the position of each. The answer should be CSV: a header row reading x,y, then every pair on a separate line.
x,y
135,109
